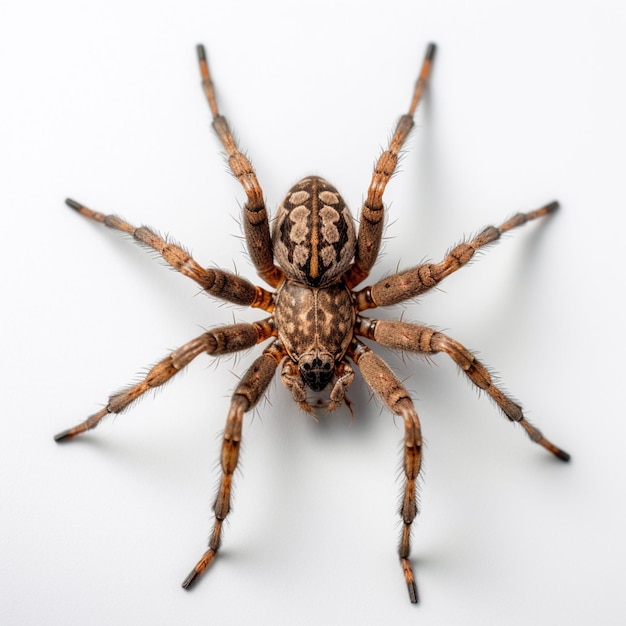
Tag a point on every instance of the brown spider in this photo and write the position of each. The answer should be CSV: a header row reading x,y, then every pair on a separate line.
x,y
316,322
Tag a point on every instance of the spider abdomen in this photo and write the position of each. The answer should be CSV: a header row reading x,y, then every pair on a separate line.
x,y
315,328
313,236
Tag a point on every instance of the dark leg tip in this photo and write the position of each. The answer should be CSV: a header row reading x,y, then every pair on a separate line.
x,y
73,204
188,582
552,207
564,456
430,51
201,52
413,596
64,436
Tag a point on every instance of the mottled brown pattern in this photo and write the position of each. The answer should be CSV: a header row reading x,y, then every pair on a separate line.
x,y
314,319
313,260
313,233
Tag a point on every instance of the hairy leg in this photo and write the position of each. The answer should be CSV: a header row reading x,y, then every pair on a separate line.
x,y
216,342
371,220
417,280
256,225
246,395
215,282
426,340
389,389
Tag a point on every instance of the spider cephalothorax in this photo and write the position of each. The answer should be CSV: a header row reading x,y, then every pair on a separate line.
x,y
315,328
313,260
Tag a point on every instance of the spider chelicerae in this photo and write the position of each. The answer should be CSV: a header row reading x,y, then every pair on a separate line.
x,y
313,257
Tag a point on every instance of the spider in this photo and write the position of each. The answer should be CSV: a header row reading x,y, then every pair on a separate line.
x,y
313,257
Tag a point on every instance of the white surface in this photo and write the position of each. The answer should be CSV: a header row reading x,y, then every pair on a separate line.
x,y
101,102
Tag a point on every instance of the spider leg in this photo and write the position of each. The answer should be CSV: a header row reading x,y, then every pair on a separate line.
x,y
389,389
246,395
371,220
216,282
425,340
417,280
215,342
256,225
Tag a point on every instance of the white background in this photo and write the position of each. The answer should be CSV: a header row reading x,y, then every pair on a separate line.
x,y
101,102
